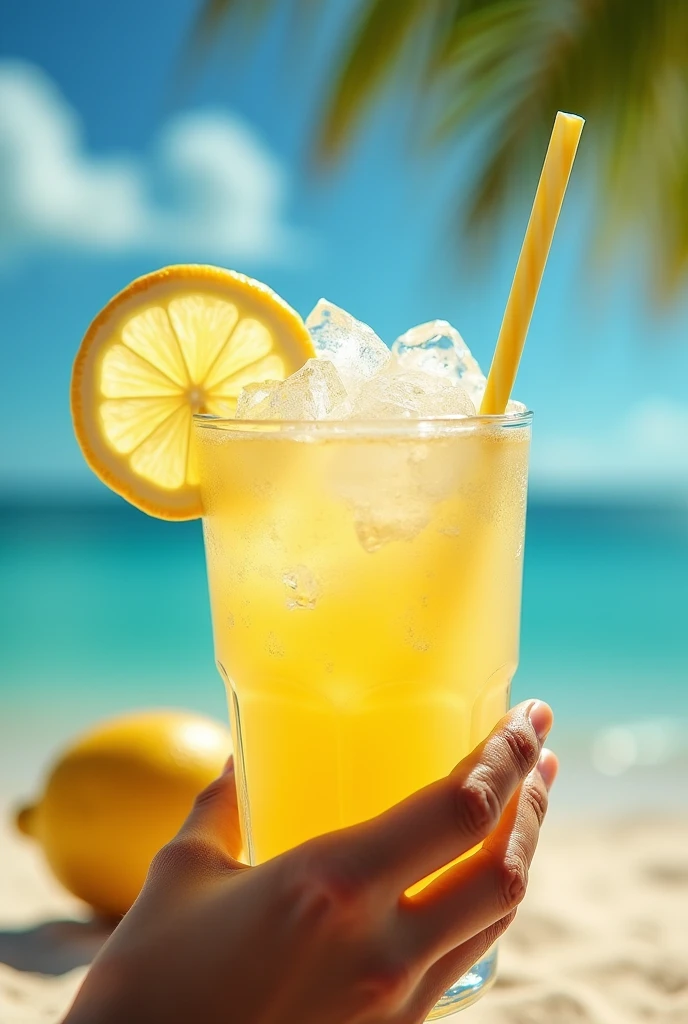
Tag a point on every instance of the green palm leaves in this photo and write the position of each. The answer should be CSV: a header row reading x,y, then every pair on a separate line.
x,y
503,67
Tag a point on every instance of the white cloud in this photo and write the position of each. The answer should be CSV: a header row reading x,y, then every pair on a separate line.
x,y
645,453
208,188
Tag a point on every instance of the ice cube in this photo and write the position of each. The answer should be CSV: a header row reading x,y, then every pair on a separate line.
x,y
309,394
376,527
352,346
437,348
410,394
303,588
515,408
254,401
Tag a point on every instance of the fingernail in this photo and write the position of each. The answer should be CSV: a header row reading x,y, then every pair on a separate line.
x,y
229,765
541,718
548,767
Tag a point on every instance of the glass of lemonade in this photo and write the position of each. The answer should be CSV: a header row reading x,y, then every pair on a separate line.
x,y
363,524
365,585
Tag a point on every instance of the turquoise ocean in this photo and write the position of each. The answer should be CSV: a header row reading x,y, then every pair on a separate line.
x,y
104,609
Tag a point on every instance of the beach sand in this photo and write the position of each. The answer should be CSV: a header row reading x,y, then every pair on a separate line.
x,y
602,937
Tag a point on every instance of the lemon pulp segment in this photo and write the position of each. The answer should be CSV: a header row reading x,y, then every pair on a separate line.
x,y
176,342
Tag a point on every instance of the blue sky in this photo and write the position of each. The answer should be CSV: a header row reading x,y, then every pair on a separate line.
x,y
110,166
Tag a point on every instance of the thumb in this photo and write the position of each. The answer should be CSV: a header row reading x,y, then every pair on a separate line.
x,y
214,817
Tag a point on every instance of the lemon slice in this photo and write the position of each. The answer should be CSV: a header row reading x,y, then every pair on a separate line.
x,y
184,339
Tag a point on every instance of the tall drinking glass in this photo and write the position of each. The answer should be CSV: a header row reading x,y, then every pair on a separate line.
x,y
365,585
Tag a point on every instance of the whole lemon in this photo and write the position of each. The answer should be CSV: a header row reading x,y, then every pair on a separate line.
x,y
118,794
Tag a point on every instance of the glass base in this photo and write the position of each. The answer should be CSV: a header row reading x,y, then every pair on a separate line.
x,y
468,989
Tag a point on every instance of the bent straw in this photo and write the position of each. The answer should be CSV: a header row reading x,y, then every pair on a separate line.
x,y
549,197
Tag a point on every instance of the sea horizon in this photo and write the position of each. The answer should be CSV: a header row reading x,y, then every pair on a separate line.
x,y
106,610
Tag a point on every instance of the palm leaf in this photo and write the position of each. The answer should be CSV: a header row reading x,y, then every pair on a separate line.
x,y
371,56
216,14
503,68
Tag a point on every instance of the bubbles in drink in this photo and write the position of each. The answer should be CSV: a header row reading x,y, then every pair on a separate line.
x,y
275,647
352,346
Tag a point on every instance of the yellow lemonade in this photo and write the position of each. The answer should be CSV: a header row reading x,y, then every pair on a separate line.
x,y
365,577
365,584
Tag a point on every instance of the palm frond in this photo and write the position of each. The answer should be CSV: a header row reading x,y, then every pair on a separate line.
x,y
506,67
372,55
605,59
216,14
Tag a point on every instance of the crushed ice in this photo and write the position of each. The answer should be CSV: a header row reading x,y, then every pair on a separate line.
x,y
429,373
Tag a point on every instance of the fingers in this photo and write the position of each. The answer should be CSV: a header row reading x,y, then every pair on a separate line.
x,y
548,766
475,894
214,818
449,817
206,844
445,973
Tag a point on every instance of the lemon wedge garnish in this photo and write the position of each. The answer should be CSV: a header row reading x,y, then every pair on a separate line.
x,y
184,339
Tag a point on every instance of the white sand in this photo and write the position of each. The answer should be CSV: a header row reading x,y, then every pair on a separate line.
x,y
602,937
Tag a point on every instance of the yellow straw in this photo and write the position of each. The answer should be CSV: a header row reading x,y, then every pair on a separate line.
x,y
550,193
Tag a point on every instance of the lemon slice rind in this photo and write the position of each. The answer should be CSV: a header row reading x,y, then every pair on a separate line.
x,y
167,338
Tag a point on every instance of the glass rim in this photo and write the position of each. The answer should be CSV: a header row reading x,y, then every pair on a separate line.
x,y
371,427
